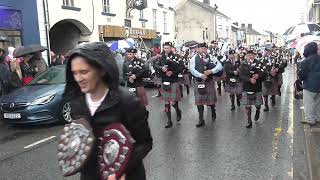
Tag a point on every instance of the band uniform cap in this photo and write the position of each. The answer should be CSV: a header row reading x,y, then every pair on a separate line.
x,y
250,51
203,45
213,42
132,50
168,44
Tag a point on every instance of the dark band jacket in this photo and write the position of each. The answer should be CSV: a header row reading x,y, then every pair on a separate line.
x,y
172,62
235,65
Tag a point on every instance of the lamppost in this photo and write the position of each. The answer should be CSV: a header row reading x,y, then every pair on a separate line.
x,y
215,22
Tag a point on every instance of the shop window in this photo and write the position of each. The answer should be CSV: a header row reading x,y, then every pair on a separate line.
x,y
154,15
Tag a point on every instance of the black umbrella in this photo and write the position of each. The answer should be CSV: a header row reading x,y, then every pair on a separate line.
x,y
23,50
4,37
190,43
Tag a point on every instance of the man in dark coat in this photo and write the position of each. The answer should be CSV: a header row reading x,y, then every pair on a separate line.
x,y
309,73
170,67
252,76
134,70
117,104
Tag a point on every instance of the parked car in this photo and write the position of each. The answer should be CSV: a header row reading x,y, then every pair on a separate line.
x,y
40,102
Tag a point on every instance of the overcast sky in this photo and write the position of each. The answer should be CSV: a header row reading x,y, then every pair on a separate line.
x,y
274,15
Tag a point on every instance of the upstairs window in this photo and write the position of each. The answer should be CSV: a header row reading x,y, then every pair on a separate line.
x,y
68,3
106,6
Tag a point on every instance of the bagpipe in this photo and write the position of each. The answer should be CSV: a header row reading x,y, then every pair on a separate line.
x,y
211,63
77,143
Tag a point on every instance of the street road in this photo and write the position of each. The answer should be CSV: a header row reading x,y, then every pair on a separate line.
x,y
222,150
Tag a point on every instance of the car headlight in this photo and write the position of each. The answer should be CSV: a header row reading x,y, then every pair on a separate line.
x,y
43,100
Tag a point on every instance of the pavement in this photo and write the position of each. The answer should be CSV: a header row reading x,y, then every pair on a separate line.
x,y
222,150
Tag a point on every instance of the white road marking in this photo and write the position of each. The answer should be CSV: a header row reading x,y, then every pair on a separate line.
x,y
39,142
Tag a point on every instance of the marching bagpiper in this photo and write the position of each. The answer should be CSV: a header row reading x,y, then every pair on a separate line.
x,y
157,74
233,81
252,75
133,72
203,67
184,76
273,69
169,67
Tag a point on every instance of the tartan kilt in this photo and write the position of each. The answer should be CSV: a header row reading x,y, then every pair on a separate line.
x,y
258,101
185,80
223,77
157,80
174,95
210,98
273,90
236,89
141,92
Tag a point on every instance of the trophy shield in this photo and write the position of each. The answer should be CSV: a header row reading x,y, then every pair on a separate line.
x,y
75,146
115,146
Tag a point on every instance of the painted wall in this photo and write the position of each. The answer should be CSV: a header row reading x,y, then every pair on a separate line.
x,y
30,26
191,27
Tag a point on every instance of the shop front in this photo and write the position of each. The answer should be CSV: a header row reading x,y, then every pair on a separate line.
x,y
10,27
143,37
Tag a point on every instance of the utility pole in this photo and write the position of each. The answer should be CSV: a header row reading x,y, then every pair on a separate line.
x,y
215,22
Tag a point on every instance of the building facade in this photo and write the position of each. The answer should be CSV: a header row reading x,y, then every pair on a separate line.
x,y
200,21
76,21
18,23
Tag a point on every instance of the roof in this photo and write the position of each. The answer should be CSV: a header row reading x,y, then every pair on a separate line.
x,y
204,6
252,32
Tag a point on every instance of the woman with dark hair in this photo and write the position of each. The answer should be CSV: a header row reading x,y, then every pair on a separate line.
x,y
92,79
4,75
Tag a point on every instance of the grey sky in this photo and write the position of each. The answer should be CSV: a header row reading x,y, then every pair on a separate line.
x,y
275,15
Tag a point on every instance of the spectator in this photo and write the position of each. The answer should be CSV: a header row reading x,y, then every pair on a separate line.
x,y
4,75
309,73
28,72
119,60
38,64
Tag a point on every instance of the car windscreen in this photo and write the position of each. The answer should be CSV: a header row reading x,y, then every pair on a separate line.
x,y
54,75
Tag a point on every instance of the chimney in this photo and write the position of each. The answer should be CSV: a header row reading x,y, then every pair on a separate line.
x,y
206,2
243,26
249,26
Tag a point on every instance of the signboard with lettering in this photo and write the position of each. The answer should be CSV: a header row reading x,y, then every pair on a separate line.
x,y
10,19
316,2
123,32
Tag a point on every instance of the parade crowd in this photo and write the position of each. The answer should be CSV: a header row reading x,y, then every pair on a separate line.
x,y
251,76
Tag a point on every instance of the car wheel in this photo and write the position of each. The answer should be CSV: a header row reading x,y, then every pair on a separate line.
x,y
66,113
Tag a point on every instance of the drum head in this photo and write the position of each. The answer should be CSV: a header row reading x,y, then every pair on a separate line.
x,y
75,146
114,150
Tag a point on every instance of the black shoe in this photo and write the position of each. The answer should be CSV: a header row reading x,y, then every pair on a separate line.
x,y
179,116
188,91
266,108
169,124
257,115
200,123
249,124
232,108
158,95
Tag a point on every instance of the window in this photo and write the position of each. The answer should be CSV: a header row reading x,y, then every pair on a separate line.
x,y
68,3
154,15
141,14
143,24
106,6
165,23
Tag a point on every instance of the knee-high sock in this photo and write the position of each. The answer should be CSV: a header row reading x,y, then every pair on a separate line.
x,y
248,112
232,98
200,111
265,97
168,108
176,106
